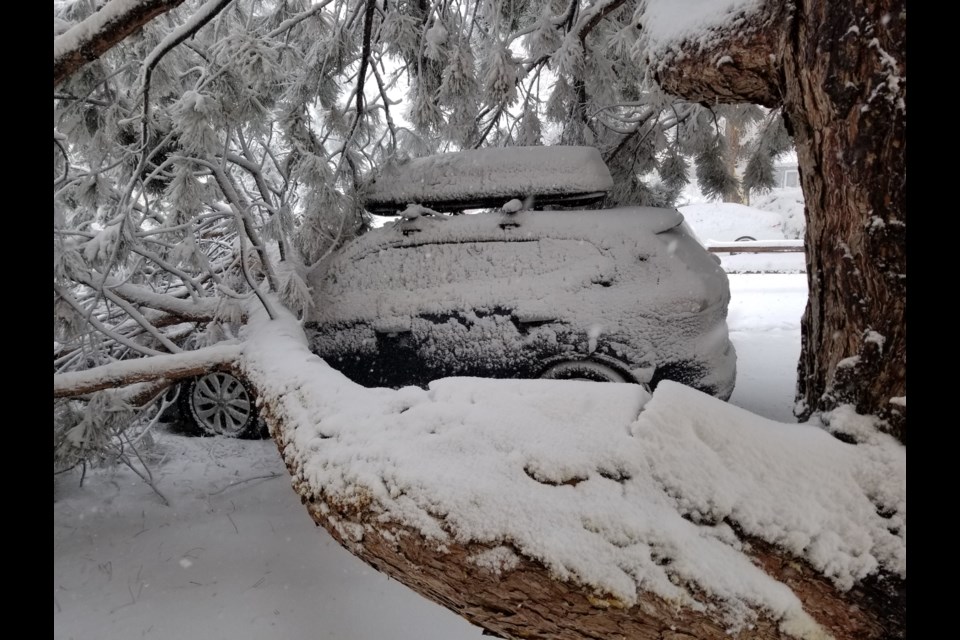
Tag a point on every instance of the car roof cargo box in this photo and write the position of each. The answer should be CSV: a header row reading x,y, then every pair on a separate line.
x,y
483,178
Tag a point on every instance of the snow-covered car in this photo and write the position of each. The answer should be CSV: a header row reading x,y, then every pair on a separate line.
x,y
624,295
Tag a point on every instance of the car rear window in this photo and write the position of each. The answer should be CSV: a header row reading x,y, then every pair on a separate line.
x,y
437,265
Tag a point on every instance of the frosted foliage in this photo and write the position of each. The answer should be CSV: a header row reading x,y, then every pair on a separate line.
x,y
458,76
400,33
557,103
530,128
545,39
436,38
713,173
569,56
500,78
674,169
424,112
193,117
759,175
185,194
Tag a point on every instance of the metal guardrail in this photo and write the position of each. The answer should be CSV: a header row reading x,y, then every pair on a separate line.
x,y
756,246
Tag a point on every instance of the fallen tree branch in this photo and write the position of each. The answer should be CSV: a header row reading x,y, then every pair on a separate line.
x,y
199,310
171,367
670,524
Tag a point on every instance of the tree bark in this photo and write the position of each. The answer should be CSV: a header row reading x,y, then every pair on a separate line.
x,y
525,601
97,34
732,135
838,69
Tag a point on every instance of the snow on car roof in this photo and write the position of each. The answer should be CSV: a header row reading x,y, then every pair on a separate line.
x,y
490,177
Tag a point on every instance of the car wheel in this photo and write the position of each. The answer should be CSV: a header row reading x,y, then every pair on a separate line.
x,y
583,370
219,404
745,239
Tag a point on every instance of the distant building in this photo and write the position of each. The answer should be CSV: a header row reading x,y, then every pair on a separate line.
x,y
785,172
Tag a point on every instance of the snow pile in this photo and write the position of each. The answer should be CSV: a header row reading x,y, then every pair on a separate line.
x,y
727,221
788,202
772,217
605,486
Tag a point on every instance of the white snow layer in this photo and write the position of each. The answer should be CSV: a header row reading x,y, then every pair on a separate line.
x,y
84,31
604,485
665,24
516,172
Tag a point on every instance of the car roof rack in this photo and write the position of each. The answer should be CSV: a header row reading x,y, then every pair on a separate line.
x,y
487,178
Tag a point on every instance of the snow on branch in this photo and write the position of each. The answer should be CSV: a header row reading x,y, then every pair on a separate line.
x,y
628,498
714,51
197,310
91,38
126,372
203,15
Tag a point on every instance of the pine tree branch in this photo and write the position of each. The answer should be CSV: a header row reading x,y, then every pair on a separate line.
x,y
290,23
66,164
142,321
162,366
89,39
362,70
199,310
592,16
99,326
246,227
204,14
386,108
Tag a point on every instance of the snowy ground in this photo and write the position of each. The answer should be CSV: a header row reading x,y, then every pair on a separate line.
x,y
244,561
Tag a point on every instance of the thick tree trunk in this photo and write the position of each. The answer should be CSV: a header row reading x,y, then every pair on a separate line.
x,y
838,69
845,104
395,499
523,600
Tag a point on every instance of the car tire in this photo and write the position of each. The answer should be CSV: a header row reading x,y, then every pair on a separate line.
x,y
745,239
220,404
583,370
